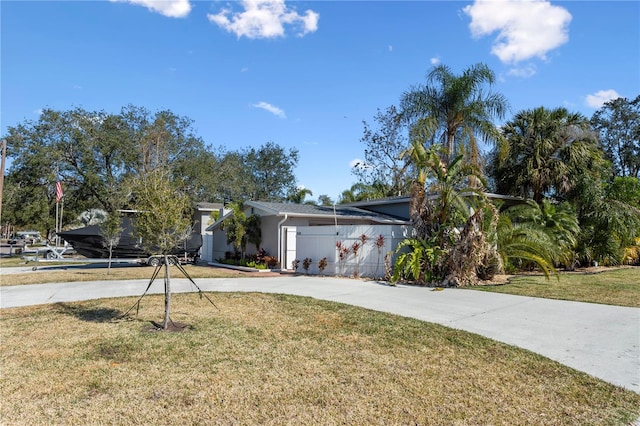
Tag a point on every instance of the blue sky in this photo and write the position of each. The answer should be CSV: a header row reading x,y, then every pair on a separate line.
x,y
305,74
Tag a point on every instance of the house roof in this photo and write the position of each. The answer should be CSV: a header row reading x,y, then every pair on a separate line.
x,y
405,199
314,211
208,207
311,210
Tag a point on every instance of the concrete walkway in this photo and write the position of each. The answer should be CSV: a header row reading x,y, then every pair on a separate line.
x,y
601,340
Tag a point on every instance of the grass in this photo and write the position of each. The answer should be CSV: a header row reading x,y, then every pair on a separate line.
x,y
65,272
612,287
274,359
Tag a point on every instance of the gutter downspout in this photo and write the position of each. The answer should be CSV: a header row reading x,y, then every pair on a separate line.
x,y
280,248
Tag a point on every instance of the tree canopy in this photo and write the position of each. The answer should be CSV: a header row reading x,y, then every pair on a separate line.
x,y
95,153
618,125
383,166
543,152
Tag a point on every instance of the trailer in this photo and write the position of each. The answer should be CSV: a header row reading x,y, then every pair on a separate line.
x,y
89,242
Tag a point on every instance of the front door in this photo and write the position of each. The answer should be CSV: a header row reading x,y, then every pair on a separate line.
x,y
289,246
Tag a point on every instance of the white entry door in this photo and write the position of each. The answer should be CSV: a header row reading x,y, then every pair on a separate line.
x,y
289,247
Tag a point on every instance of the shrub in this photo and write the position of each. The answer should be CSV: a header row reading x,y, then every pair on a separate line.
x,y
306,263
322,263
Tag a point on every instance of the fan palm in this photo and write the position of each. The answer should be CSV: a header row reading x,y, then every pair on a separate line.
x,y
543,152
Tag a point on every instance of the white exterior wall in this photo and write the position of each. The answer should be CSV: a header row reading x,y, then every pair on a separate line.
x,y
215,246
316,242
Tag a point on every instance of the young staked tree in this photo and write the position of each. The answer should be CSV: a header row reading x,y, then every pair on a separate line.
x,y
163,221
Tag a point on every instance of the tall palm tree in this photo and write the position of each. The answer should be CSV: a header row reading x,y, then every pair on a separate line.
x,y
543,153
455,110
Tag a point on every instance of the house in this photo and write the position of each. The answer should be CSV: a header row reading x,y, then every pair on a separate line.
x,y
366,231
298,231
203,216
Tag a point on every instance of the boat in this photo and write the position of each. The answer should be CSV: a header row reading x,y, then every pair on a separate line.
x,y
89,242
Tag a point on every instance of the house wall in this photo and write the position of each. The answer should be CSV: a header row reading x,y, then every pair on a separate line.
x,y
215,245
270,231
316,242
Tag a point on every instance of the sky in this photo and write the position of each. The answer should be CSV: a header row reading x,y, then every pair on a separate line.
x,y
306,74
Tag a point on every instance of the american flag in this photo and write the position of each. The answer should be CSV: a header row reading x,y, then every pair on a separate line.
x,y
59,191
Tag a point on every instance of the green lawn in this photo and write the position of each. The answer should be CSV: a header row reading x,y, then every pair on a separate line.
x,y
612,287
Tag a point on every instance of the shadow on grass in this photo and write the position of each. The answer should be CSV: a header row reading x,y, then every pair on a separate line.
x,y
89,314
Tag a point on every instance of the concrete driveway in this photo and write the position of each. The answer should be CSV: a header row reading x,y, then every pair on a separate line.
x,y
601,340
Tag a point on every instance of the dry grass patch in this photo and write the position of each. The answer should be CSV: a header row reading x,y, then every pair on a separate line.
x,y
47,273
619,287
273,359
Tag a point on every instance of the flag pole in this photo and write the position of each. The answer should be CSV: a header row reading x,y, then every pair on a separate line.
x,y
59,196
56,229
60,222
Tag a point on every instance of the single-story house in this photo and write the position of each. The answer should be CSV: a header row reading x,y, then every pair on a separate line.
x,y
299,231
366,231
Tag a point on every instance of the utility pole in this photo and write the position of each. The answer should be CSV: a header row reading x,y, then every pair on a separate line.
x,y
4,155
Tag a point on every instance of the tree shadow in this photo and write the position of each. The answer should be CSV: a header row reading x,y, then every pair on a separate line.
x,y
89,314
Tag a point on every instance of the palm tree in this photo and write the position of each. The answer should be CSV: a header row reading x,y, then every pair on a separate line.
x,y
558,221
455,110
520,244
298,196
543,153
451,219
362,191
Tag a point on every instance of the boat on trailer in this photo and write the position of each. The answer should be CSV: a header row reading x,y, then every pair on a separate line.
x,y
89,242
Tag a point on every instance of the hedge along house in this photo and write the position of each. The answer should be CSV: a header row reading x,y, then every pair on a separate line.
x,y
298,231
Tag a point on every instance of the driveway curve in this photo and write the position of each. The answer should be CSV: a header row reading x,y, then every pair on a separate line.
x,y
600,340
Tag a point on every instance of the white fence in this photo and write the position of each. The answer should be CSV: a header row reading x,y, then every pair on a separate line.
x,y
367,260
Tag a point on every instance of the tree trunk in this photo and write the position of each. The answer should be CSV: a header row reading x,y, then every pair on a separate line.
x,y
110,257
167,294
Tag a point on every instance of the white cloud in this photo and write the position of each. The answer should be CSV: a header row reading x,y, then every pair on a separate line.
x,y
526,28
524,72
435,61
265,19
169,8
272,109
599,98
390,47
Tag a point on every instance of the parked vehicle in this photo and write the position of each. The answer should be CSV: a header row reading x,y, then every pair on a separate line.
x,y
25,237
89,242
